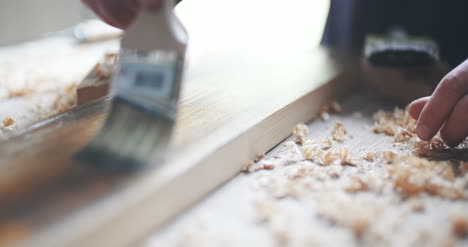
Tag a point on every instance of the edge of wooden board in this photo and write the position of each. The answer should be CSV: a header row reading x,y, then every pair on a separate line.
x,y
128,216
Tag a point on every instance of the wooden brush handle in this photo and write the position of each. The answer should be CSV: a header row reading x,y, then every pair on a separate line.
x,y
157,29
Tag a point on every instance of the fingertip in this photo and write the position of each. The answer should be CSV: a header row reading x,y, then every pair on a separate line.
x,y
415,107
423,132
118,13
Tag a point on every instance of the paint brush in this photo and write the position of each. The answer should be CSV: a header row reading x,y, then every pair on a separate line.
x,y
398,49
145,92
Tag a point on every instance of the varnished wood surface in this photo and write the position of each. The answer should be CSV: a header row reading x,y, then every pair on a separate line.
x,y
221,127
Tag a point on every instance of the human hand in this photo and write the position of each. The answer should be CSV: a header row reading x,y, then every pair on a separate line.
x,y
445,110
120,13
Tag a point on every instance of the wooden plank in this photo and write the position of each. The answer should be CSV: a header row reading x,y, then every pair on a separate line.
x,y
221,127
236,99
233,205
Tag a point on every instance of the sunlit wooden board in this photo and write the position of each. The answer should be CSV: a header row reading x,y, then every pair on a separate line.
x,y
242,106
243,92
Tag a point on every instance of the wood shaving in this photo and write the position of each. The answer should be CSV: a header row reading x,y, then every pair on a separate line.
x,y
397,122
349,163
301,132
413,176
404,135
329,157
325,144
310,152
369,156
268,166
346,157
357,185
449,174
345,154
389,156
320,152
8,122
339,132
254,166
383,128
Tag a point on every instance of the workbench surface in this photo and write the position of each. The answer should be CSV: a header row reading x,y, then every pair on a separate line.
x,y
268,208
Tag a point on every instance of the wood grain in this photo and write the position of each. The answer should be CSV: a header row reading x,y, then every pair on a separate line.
x,y
221,127
244,90
290,205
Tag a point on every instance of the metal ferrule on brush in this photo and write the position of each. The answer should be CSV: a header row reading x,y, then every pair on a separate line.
x,y
149,80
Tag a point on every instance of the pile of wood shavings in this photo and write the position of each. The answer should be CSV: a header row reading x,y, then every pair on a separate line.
x,y
371,196
35,96
38,79
399,125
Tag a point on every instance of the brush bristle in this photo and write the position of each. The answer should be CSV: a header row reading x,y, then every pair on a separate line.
x,y
132,138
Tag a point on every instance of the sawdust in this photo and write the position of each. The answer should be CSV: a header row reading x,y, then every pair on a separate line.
x,y
301,132
342,185
339,132
7,122
334,193
357,185
369,156
325,144
258,165
38,93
